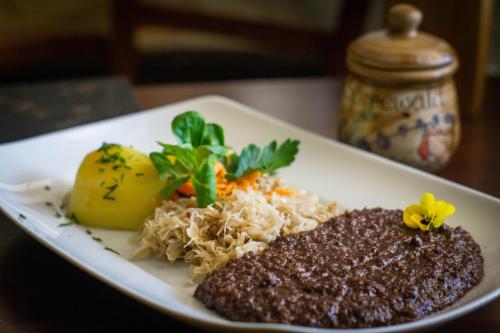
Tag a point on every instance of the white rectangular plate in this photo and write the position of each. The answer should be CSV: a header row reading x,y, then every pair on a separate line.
x,y
333,170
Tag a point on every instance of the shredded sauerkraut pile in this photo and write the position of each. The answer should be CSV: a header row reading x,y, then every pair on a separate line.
x,y
207,238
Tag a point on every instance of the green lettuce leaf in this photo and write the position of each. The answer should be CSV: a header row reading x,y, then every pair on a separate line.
x,y
204,185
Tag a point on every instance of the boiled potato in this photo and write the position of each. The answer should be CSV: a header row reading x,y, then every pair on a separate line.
x,y
116,187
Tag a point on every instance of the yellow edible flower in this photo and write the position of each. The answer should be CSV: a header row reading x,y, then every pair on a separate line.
x,y
428,213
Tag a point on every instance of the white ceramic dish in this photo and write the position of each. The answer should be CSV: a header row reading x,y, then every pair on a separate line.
x,y
336,172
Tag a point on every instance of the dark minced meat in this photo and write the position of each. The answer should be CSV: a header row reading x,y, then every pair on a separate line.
x,y
364,268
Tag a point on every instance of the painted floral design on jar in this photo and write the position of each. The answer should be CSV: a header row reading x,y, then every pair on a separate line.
x,y
400,100
424,137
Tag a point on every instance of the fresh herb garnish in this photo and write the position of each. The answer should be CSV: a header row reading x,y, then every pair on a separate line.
x,y
71,220
110,189
47,188
109,157
200,146
139,174
267,160
22,217
111,250
105,147
58,215
66,224
89,232
49,204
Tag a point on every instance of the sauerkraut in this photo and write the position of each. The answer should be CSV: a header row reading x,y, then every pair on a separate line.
x,y
206,238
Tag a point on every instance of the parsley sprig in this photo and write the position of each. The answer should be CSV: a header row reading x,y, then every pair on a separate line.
x,y
268,159
200,145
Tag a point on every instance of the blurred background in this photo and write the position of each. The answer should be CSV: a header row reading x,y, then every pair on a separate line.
x,y
151,41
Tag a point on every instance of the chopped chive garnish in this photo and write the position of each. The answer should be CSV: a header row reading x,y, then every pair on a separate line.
x,y
127,167
66,224
139,174
111,250
111,158
49,204
47,188
106,146
121,178
22,217
73,218
88,232
97,239
110,189
58,215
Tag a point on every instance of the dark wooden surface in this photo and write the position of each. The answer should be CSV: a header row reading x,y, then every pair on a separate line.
x,y
41,292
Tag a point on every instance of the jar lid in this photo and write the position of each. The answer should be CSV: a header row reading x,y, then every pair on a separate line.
x,y
401,52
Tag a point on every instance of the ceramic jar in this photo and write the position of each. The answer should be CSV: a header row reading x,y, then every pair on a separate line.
x,y
400,99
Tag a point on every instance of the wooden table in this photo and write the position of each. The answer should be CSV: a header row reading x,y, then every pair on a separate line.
x,y
41,292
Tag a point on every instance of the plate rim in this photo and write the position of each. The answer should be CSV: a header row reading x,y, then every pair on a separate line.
x,y
227,325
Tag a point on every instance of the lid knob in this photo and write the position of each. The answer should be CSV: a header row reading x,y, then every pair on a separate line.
x,y
404,19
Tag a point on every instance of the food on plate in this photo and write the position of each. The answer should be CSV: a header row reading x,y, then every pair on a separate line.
x,y
265,251
221,204
212,204
365,268
116,187
247,220
201,165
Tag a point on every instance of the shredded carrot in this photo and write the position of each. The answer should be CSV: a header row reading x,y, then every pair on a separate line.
x,y
281,191
224,186
186,189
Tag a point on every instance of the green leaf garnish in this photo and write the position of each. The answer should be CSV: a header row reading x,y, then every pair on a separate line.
x,y
267,160
200,146
213,135
204,184
188,128
173,185
165,167
248,160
